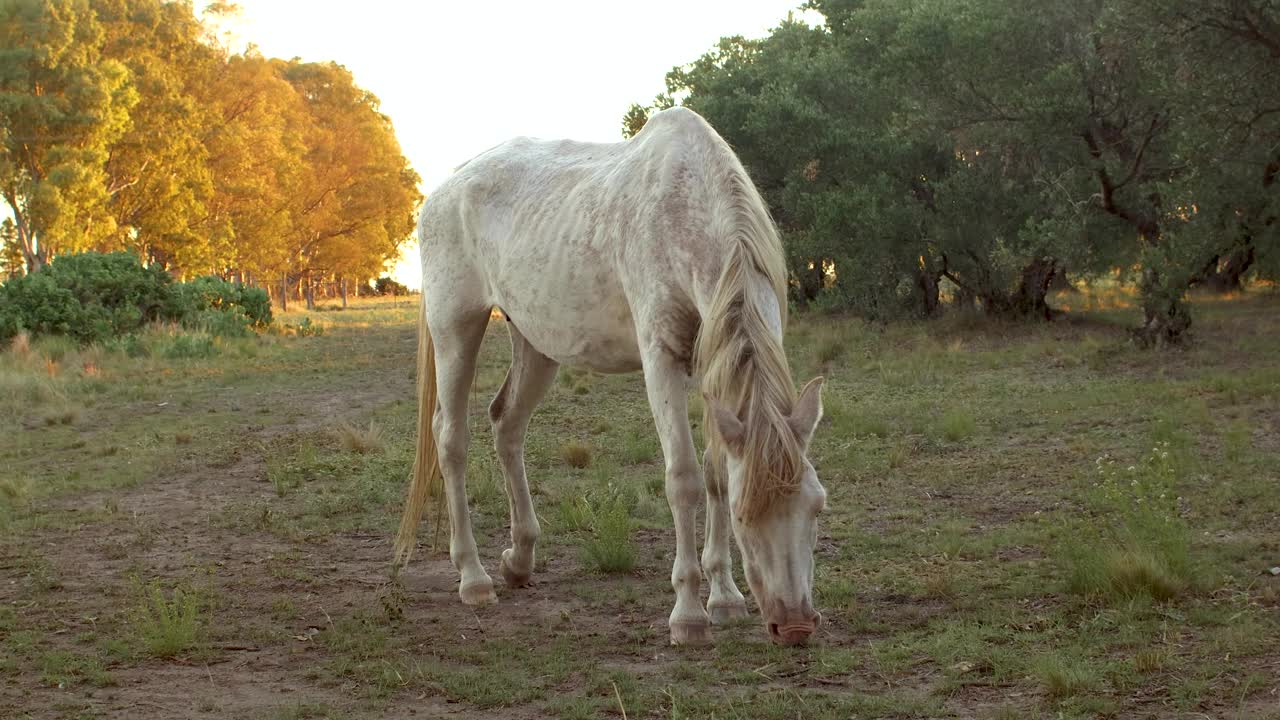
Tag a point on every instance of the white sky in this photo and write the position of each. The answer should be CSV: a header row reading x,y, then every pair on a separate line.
x,y
457,78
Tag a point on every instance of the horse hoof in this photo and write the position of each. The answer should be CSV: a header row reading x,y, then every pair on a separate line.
x,y
725,613
514,578
479,593
690,633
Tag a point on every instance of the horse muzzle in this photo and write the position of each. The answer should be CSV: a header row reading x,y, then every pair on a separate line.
x,y
794,628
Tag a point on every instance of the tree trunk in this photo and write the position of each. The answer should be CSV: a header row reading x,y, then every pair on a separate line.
x,y
284,293
343,289
309,290
1165,316
1226,274
1029,299
809,283
32,253
927,282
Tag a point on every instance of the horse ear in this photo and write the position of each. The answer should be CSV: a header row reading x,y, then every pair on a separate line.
x,y
804,420
731,429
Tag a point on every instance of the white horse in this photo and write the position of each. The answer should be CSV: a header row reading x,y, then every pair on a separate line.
x,y
654,254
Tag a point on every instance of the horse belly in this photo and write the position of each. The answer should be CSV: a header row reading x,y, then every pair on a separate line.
x,y
582,326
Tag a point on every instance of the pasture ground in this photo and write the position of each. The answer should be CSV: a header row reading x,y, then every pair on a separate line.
x,y
1024,521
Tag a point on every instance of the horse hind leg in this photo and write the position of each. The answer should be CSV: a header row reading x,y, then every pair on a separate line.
x,y
457,337
527,381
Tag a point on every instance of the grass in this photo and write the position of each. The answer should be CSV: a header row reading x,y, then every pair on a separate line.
x,y
956,425
975,559
1138,543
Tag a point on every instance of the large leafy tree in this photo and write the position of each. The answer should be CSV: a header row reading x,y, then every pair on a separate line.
x,y
994,146
126,126
355,196
158,176
63,103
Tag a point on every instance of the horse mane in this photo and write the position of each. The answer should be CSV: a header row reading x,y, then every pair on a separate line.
x,y
740,358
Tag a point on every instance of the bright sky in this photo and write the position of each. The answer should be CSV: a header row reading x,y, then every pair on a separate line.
x,y
457,78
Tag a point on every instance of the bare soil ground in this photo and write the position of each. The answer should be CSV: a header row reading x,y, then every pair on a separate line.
x,y
960,461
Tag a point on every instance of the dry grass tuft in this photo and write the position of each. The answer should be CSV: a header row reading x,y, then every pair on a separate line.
x,y
364,441
182,438
1149,661
575,454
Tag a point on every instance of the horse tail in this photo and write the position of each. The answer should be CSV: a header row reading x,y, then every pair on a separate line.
x,y
426,465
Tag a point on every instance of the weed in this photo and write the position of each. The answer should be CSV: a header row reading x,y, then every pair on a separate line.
x,y
1149,661
898,455
829,348
1140,545
62,669
609,548
63,416
574,513
167,623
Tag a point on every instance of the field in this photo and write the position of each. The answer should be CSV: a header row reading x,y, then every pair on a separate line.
x,y
1024,521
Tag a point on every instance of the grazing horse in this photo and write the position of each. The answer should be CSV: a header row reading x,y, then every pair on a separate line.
x,y
654,254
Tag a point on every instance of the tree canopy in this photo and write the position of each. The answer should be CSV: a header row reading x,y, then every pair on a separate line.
x,y
124,125
991,147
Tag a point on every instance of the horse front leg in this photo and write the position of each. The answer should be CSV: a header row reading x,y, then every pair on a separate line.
x,y
725,602
667,387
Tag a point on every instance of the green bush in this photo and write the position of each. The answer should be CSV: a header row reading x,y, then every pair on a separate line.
x,y
250,306
386,286
89,297
95,297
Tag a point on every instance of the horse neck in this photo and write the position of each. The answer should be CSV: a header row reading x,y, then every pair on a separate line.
x,y
740,350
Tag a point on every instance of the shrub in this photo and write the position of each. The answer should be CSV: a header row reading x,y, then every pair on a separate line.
x,y
95,297
90,297
208,296
387,286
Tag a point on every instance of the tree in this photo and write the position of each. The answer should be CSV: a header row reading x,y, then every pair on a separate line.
x,y
158,178
125,125
896,147
62,105
356,195
11,260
